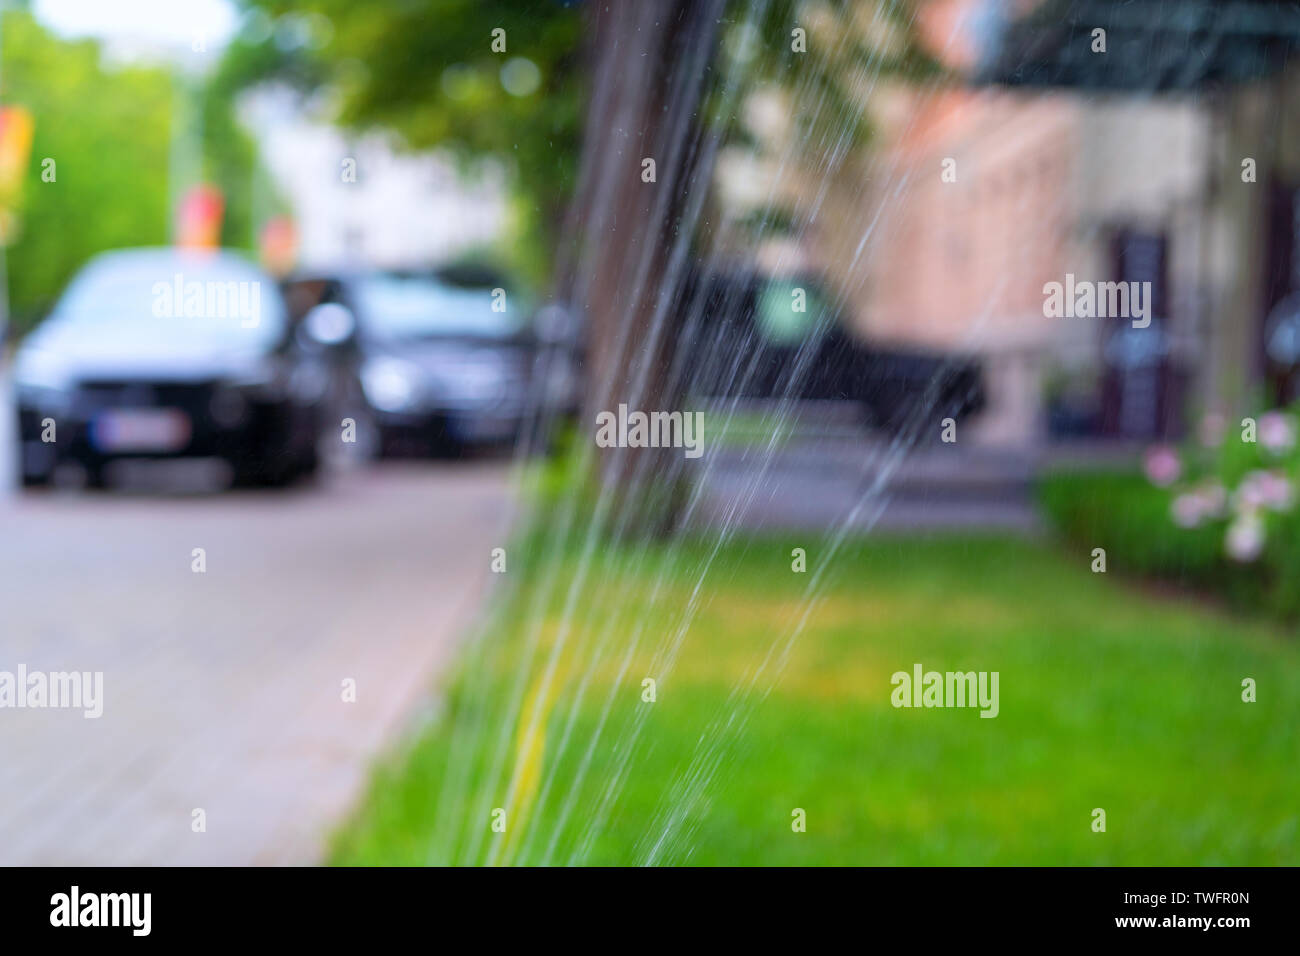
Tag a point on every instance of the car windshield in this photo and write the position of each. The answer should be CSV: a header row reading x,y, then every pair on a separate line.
x,y
406,307
215,301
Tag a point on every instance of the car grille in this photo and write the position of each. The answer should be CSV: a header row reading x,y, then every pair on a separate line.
x,y
193,398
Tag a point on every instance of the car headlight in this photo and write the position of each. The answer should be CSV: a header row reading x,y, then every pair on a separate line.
x,y
390,385
40,382
38,369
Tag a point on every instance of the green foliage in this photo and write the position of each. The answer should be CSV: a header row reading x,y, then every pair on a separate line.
x,y
1132,519
847,45
427,71
1126,515
109,134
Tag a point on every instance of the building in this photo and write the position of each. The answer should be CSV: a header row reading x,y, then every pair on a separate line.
x,y
1161,156
363,202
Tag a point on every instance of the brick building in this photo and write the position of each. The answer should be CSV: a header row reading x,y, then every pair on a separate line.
x,y
1124,165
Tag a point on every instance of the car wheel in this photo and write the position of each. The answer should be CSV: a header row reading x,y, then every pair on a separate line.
x,y
308,465
262,474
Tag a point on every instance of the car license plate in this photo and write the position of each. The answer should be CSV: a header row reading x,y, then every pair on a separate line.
x,y
143,429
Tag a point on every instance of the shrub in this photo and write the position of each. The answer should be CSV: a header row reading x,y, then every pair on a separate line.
x,y
1123,513
1218,515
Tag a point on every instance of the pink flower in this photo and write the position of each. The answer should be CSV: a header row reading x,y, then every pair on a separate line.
x,y
1207,500
1162,465
1276,432
1276,491
1251,492
1265,489
1245,539
1214,499
1186,510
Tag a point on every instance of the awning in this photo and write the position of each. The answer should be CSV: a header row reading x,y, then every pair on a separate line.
x,y
1152,46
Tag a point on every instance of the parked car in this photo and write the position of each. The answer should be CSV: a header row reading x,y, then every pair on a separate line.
x,y
436,360
752,335
156,354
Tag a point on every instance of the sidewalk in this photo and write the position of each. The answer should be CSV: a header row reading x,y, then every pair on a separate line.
x,y
818,479
223,691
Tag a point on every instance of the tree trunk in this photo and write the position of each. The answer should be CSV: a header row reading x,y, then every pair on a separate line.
x,y
632,236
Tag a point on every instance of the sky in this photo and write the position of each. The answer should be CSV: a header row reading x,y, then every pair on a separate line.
x,y
162,22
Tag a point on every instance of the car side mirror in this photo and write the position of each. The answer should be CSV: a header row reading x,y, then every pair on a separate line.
x,y
328,324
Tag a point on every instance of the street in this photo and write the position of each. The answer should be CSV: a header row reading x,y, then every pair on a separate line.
x,y
226,691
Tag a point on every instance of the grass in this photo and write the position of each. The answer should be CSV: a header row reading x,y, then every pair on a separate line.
x,y
745,429
1109,698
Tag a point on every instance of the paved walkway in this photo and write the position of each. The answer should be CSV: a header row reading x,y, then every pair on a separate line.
x,y
223,690
819,483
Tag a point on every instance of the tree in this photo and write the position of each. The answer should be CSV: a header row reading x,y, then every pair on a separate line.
x,y
668,82
612,152
646,167
434,74
107,133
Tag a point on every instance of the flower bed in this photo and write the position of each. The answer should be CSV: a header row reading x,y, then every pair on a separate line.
x,y
1218,514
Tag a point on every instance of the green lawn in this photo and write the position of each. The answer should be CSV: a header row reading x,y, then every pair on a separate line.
x,y
1109,698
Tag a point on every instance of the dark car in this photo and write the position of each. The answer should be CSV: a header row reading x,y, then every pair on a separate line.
x,y
750,335
434,361
157,354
